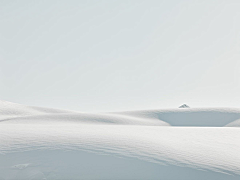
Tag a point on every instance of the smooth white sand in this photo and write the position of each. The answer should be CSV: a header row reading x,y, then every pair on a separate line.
x,y
172,144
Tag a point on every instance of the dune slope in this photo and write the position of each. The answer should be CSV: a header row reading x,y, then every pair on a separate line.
x,y
174,144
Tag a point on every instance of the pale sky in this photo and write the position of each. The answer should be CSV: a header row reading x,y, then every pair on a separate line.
x,y
120,55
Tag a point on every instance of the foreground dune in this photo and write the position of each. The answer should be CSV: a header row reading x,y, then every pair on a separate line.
x,y
174,144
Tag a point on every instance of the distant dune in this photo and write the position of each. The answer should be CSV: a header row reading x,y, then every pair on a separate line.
x,y
167,144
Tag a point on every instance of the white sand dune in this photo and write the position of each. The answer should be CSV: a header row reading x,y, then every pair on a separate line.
x,y
173,144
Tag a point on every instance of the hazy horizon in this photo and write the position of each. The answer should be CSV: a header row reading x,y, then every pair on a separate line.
x,y
120,55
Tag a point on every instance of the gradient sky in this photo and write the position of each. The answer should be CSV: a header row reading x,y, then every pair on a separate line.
x,y
120,55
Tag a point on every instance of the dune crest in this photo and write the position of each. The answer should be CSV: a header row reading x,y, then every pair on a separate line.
x,y
174,144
